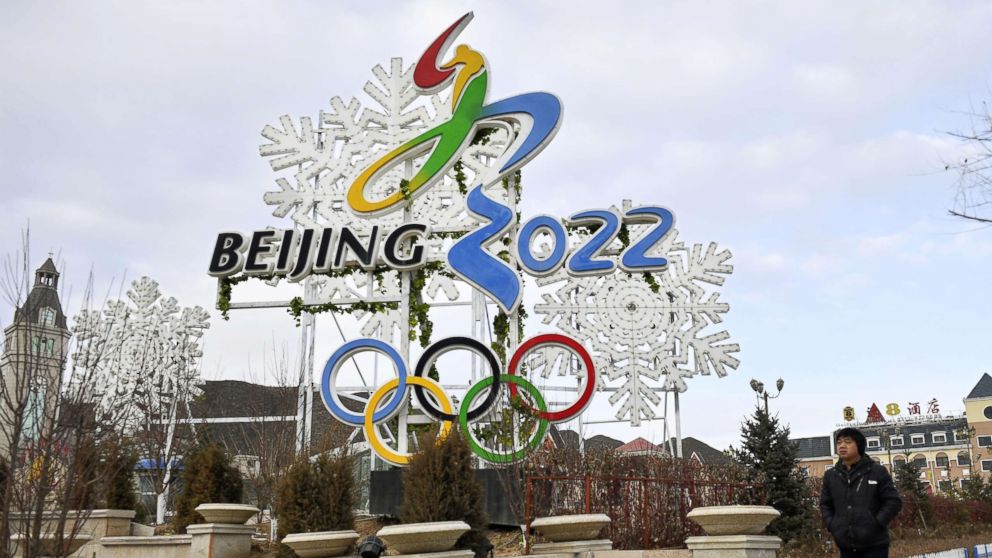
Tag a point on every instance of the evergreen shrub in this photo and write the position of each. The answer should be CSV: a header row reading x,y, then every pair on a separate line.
x,y
917,508
440,485
120,492
208,478
772,459
316,495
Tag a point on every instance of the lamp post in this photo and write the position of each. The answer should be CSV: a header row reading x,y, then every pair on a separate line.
x,y
761,393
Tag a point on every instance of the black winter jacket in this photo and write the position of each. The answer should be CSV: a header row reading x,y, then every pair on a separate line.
x,y
858,504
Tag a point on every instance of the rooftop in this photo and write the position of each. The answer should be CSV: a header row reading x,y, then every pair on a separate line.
x,y
816,446
982,389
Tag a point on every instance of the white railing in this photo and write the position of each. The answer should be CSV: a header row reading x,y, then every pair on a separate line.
x,y
955,553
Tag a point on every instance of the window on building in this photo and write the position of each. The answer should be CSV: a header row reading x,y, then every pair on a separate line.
x,y
942,461
43,346
35,410
46,317
945,485
874,443
964,482
939,437
988,412
899,460
920,461
985,441
987,464
917,439
964,460
896,441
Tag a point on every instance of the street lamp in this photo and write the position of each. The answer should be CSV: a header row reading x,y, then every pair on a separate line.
x,y
759,390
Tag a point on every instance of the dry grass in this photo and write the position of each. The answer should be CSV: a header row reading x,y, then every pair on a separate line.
x,y
907,544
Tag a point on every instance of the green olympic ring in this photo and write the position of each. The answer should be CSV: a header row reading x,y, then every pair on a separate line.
x,y
485,453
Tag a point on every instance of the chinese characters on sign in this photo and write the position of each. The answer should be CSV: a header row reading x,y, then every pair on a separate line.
x,y
913,408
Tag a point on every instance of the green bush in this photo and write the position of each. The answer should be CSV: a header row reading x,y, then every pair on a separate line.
x,y
208,478
771,458
440,485
119,492
916,501
316,495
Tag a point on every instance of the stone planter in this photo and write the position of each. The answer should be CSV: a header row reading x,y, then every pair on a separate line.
x,y
417,538
230,514
323,544
50,544
733,520
567,528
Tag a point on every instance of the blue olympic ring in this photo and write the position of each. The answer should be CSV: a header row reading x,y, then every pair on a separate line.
x,y
334,364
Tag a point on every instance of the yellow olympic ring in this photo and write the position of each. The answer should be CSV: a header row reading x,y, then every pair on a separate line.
x,y
372,436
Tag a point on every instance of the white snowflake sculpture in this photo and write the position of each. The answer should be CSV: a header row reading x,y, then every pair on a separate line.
x,y
328,158
647,341
140,356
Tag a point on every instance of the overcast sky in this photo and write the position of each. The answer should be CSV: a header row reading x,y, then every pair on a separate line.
x,y
809,138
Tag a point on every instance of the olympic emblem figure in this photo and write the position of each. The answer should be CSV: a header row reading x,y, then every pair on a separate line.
x,y
537,115
381,408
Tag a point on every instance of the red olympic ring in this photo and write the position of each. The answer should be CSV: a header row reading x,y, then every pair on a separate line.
x,y
587,391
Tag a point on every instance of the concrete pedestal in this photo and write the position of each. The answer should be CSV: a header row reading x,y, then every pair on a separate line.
x,y
220,540
571,547
322,544
565,528
422,538
734,546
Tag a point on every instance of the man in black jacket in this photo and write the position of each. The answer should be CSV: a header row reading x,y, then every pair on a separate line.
x,y
858,500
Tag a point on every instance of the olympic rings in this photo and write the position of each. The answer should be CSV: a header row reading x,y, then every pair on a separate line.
x,y
450,344
374,413
568,343
372,437
490,456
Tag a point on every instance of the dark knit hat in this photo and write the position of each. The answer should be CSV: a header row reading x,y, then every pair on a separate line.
x,y
854,434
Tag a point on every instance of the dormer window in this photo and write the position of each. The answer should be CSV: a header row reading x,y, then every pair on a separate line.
x,y
46,317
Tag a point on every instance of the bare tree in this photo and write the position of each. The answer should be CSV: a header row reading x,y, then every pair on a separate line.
x,y
50,437
973,198
267,440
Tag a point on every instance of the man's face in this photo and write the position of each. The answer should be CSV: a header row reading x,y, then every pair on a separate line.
x,y
847,448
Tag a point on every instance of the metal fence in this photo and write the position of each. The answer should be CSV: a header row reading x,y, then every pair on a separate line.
x,y
647,512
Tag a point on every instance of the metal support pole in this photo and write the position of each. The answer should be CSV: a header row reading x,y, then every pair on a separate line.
x,y
678,426
305,378
511,194
402,440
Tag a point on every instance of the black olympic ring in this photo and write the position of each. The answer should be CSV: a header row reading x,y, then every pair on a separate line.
x,y
449,344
